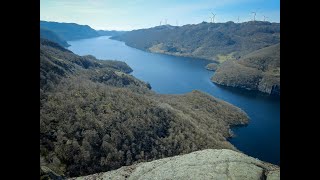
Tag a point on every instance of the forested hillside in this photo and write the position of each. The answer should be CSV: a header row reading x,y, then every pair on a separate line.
x,y
96,117
212,41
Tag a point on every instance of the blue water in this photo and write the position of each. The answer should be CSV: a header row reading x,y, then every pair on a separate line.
x,y
176,75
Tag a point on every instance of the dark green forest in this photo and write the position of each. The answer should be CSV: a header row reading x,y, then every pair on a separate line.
x,y
95,116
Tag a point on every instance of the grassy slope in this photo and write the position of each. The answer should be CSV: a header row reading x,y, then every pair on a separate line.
x,y
213,41
95,117
259,70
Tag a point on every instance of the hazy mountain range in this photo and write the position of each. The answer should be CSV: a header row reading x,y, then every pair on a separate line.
x,y
50,35
63,32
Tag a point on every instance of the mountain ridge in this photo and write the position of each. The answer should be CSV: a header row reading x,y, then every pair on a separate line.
x,y
61,32
211,41
50,35
69,31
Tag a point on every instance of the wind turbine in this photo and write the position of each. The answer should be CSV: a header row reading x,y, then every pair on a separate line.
x,y
264,18
166,21
213,15
160,22
254,16
238,19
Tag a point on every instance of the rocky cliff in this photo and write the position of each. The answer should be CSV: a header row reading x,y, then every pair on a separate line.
x,y
206,164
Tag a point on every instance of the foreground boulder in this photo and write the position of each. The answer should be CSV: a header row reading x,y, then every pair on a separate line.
x,y
205,164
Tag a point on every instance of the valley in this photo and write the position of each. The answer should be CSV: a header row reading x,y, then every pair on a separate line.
x,y
110,99
96,117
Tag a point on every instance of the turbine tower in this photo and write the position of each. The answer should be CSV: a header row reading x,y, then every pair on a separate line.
x,y
264,18
238,19
213,16
166,21
160,22
254,15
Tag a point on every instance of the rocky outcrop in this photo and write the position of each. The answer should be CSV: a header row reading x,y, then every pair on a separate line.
x,y
212,66
270,84
205,164
259,70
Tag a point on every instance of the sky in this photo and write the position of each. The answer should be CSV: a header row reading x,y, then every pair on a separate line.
x,y
138,14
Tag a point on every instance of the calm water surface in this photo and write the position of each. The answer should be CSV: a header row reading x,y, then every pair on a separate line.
x,y
176,75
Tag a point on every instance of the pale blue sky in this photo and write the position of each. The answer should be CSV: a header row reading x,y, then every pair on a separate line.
x,y
137,14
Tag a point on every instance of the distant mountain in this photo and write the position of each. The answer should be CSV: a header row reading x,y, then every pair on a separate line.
x,y
212,41
47,34
110,33
259,70
69,31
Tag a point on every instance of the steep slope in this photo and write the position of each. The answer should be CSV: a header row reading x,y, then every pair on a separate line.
x,y
95,117
47,34
212,41
207,164
259,70
69,31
